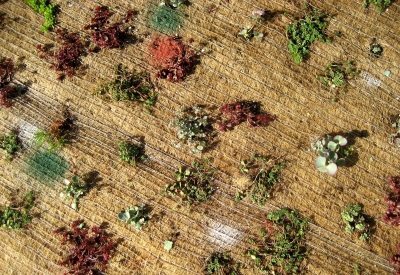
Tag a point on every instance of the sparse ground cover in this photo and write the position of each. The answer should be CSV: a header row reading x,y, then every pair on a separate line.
x,y
209,66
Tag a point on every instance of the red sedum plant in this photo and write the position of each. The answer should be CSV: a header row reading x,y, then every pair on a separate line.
x,y
110,36
6,75
395,261
241,111
392,214
89,252
172,58
67,56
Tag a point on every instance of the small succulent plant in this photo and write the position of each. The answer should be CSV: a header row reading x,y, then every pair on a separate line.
x,y
332,153
75,188
375,49
134,216
356,222
395,138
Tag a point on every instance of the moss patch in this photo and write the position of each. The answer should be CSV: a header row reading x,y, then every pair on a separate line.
x,y
47,167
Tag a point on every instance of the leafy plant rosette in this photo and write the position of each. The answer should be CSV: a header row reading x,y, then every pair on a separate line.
x,y
355,221
281,249
10,144
192,127
18,214
221,263
130,153
332,153
134,216
392,214
75,188
192,185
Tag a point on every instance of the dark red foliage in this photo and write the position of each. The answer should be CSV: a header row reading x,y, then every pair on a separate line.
x,y
89,252
239,112
58,129
107,36
392,214
395,260
172,57
6,75
67,56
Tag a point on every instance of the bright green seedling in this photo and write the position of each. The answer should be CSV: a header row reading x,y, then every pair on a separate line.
x,y
10,144
381,5
47,10
130,153
130,87
264,175
375,49
303,32
281,248
355,221
18,214
192,127
192,185
395,138
332,153
336,75
221,263
135,216
74,189
168,245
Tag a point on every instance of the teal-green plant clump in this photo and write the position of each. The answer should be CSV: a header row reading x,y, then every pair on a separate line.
x,y
165,19
47,167
303,32
47,10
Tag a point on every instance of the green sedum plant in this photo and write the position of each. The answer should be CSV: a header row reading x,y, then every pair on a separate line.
x,y
381,5
303,32
134,216
192,127
281,249
264,175
395,138
10,144
375,49
74,189
47,10
192,184
18,214
221,263
332,153
355,221
130,153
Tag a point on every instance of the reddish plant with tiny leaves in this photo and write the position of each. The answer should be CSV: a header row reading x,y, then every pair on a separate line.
x,y
172,58
239,112
6,75
395,260
67,56
107,36
89,252
392,214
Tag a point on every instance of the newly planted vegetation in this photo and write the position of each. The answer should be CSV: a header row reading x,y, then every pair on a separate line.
x,y
172,58
104,34
238,112
89,252
381,5
192,184
130,153
65,58
135,216
356,221
264,174
192,126
45,8
221,263
19,213
129,86
281,248
332,153
75,188
303,32
336,75
57,136
375,49
392,214
6,76
395,261
10,144
165,17
249,32
395,137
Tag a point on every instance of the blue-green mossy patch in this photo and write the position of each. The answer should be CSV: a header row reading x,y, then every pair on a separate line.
x,y
47,167
164,19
